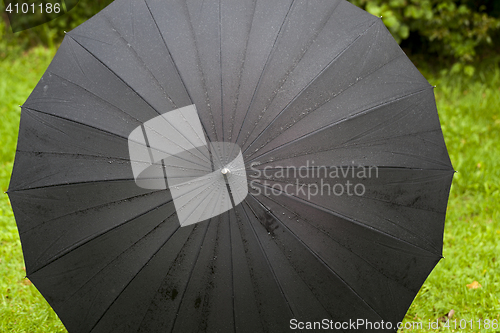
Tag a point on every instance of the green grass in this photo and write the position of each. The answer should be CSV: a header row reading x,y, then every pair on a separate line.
x,y
22,308
470,114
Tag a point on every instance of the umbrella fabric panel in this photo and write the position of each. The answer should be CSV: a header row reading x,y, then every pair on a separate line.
x,y
341,89
331,263
71,217
126,41
79,87
389,195
294,57
342,26
130,249
54,151
208,267
395,134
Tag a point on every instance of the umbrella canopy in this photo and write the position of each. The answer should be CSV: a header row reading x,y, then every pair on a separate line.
x,y
230,166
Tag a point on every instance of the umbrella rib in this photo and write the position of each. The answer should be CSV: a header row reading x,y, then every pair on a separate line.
x,y
97,157
191,272
136,95
356,115
145,314
106,101
341,146
24,184
271,269
220,71
107,265
102,157
93,207
70,184
200,67
346,166
115,134
352,220
142,267
136,56
291,69
266,64
74,121
34,115
90,238
378,127
313,80
334,240
231,267
275,217
384,201
320,260
175,66
94,94
373,142
327,101
240,74
447,166
370,144
108,132
71,47
254,283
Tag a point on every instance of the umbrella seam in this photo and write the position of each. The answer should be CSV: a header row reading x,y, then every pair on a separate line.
x,y
395,203
174,64
278,35
191,271
327,235
391,222
200,70
133,278
317,76
106,131
62,253
290,70
402,55
126,85
321,260
367,145
340,121
93,207
264,254
241,72
324,209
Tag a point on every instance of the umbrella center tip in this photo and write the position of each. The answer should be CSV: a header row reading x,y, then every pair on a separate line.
x,y
225,171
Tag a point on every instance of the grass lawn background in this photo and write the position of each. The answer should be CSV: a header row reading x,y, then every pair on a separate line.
x,y
469,109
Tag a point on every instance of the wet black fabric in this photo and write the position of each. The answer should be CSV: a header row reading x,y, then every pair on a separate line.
x,y
288,81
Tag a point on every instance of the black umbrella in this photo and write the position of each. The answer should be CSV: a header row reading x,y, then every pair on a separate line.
x,y
230,166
